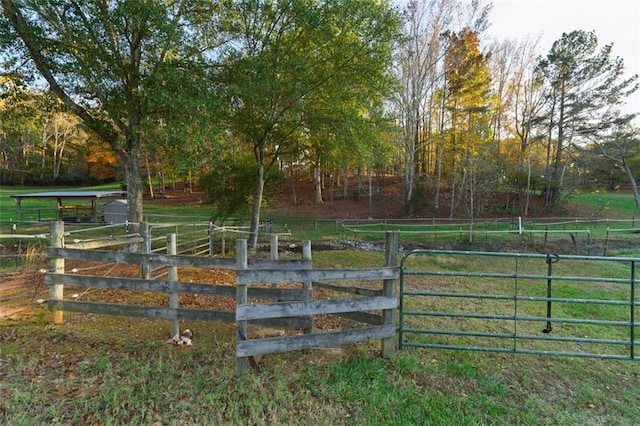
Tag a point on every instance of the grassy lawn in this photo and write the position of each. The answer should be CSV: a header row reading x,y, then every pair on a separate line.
x,y
112,370
607,203
84,374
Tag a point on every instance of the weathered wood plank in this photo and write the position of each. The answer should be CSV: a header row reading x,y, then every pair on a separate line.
x,y
140,258
250,276
141,311
107,242
245,348
351,290
139,284
317,307
167,313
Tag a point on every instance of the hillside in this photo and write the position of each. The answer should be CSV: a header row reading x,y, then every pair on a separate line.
x,y
297,198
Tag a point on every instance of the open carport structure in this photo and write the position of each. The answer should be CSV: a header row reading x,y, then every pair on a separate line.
x,y
75,207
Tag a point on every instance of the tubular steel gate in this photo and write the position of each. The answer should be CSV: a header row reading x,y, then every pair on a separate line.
x,y
549,304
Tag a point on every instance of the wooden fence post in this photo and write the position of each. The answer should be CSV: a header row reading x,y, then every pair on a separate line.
x,y
145,269
389,289
241,299
223,241
56,266
211,245
173,278
273,253
308,286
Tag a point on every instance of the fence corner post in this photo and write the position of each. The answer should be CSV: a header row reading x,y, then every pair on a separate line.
x,y
388,345
241,299
173,278
56,266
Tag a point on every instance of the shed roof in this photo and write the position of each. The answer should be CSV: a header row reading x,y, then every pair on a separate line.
x,y
70,194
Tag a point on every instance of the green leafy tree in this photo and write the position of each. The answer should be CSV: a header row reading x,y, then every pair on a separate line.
x,y
24,111
292,64
115,65
585,88
622,148
470,152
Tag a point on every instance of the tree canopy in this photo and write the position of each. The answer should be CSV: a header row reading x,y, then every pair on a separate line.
x,y
296,71
239,93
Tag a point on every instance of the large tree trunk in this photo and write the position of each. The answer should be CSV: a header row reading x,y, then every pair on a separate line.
x,y
345,182
370,192
149,180
131,158
634,186
317,179
257,200
133,179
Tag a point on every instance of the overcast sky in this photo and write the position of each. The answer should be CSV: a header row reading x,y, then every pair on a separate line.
x,y
614,21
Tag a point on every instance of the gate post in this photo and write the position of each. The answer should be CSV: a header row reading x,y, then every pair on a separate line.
x,y
56,266
389,289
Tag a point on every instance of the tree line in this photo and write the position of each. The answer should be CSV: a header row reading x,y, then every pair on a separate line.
x,y
240,94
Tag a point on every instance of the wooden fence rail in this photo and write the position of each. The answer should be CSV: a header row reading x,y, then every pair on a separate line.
x,y
291,306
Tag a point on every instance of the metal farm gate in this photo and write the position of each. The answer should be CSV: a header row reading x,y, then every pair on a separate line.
x,y
521,303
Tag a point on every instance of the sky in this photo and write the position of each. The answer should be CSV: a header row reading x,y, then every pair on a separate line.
x,y
615,22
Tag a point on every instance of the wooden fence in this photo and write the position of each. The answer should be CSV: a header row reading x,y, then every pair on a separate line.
x,y
291,307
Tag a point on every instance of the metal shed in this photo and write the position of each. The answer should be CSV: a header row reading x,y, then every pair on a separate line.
x,y
115,211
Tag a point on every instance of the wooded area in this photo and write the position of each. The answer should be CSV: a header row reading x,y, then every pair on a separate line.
x,y
238,96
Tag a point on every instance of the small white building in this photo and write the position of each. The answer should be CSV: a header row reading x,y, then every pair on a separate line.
x,y
115,211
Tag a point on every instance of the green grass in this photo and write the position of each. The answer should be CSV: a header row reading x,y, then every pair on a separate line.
x,y
95,370
607,203
111,370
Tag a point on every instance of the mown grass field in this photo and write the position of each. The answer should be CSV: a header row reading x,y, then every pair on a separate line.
x,y
111,370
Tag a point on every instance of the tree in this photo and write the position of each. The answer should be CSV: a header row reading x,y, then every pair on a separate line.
x,y
61,135
470,154
518,102
422,84
585,88
292,65
114,64
622,147
23,112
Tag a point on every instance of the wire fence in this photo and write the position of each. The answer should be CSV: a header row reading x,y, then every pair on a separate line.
x,y
587,236
22,244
